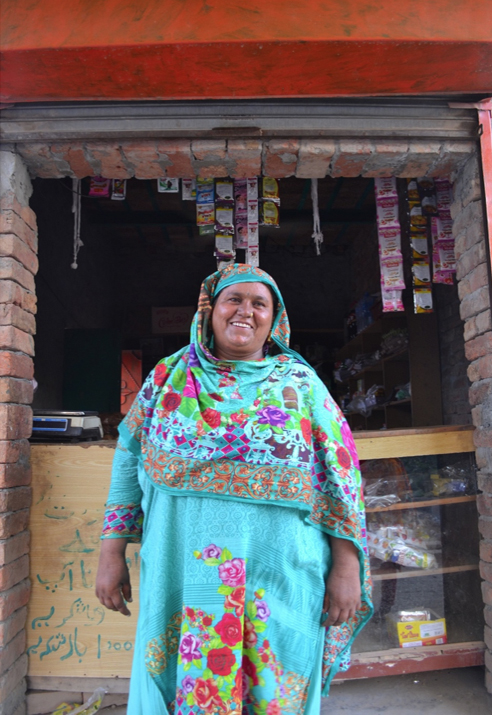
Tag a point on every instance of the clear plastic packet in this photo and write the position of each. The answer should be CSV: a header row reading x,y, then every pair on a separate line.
x,y
429,205
412,190
420,247
91,706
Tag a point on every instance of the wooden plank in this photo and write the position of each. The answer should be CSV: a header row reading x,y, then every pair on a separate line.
x,y
399,661
69,633
77,684
419,504
413,442
416,573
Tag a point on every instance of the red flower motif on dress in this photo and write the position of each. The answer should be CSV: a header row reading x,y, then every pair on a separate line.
x,y
250,669
239,417
220,660
206,694
171,401
207,621
160,375
306,430
211,417
343,458
237,690
320,436
273,708
229,629
250,637
235,600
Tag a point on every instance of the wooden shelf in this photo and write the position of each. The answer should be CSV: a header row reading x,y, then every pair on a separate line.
x,y
374,366
417,573
414,441
419,504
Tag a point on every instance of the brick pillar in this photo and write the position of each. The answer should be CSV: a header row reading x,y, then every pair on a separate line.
x,y
474,292
18,265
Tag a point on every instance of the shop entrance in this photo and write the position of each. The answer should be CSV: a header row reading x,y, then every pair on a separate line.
x,y
143,258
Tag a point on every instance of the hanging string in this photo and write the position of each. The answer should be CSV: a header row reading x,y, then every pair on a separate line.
x,y
317,235
76,206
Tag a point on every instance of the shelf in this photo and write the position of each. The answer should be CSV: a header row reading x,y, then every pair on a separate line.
x,y
414,441
374,366
417,573
419,504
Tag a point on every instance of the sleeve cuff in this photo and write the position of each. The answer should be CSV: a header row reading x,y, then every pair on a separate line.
x,y
123,522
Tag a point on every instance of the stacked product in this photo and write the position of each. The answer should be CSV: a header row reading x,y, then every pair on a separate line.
x,y
389,236
246,214
224,222
421,204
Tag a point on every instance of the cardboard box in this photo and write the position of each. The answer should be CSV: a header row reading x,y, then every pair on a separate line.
x,y
411,634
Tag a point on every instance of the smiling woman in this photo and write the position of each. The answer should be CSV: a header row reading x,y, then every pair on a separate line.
x,y
239,474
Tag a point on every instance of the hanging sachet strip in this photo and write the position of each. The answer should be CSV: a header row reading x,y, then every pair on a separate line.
x,y
389,239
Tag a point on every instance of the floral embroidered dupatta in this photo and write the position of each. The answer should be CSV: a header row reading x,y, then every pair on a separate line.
x,y
266,431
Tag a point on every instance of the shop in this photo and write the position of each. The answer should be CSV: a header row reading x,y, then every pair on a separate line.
x,y
132,204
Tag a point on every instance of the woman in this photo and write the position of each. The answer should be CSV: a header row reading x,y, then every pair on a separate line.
x,y
239,475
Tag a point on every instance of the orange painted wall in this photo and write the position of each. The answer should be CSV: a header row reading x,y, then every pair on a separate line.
x,y
148,49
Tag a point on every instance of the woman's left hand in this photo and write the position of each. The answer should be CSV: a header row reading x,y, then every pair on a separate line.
x,y
343,589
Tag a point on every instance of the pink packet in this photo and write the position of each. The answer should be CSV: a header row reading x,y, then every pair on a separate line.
x,y
447,258
240,195
444,277
387,212
385,187
100,187
241,232
392,274
389,242
392,301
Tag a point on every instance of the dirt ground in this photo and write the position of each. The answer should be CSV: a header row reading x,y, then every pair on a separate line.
x,y
445,692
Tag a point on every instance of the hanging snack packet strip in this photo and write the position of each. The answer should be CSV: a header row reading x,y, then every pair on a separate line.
x,y
421,204
252,251
269,202
205,207
443,257
389,238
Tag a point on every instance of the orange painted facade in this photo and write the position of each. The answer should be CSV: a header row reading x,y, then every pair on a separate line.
x,y
206,49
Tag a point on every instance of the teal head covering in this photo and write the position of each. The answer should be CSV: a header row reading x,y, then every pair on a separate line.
x,y
231,275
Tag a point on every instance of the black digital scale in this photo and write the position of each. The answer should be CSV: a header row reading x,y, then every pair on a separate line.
x,y
52,425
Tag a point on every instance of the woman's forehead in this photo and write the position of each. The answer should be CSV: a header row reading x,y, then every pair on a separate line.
x,y
249,290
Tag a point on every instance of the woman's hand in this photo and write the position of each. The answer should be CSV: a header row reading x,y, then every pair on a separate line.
x,y
113,586
343,589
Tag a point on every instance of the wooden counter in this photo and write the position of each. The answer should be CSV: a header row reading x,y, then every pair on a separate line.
x,y
70,634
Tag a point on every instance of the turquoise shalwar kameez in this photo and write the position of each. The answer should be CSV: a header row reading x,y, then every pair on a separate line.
x,y
234,475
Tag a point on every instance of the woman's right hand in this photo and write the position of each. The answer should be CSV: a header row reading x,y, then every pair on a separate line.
x,y
113,587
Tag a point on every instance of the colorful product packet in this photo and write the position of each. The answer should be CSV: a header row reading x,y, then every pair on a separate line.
x,y
253,235
417,216
421,273
420,247
252,188
422,300
100,187
392,301
253,257
188,189
269,214
385,187
413,190
118,192
387,212
392,274
206,229
224,217
240,196
224,248
241,232
390,243
447,258
168,186
224,190
270,190
205,214
205,191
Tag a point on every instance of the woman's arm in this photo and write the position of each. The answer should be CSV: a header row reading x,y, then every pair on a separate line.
x,y
122,524
343,588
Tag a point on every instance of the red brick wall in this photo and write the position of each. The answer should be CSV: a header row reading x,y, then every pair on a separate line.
x,y
474,292
18,265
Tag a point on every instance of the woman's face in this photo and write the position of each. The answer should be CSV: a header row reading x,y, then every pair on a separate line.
x,y
241,320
